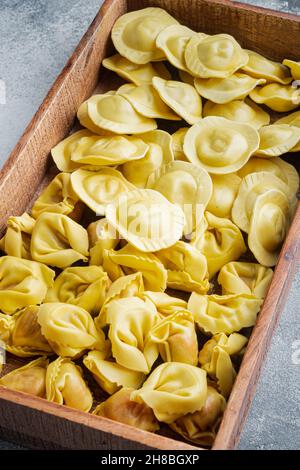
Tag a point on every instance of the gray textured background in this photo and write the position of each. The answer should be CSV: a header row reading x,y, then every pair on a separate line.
x,y
36,38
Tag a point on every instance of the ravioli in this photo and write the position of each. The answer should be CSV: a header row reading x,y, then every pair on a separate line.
x,y
294,68
172,41
177,143
225,189
30,378
278,97
259,66
62,152
277,139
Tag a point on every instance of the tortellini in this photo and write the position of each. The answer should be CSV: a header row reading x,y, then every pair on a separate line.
x,y
165,304
58,241
220,241
277,139
186,267
173,41
186,185
173,390
69,329
16,241
146,219
214,357
30,378
268,226
259,66
108,150
225,189
58,197
110,375
294,68
219,145
65,385
130,319
214,56
146,101
180,97
201,426
85,286
134,34
102,236
22,333
224,90
98,188
224,313
119,407
176,338
246,112
160,151
278,97
139,74
22,283
114,113
240,277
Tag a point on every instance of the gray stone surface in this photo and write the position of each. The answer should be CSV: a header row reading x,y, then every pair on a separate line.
x,y
36,38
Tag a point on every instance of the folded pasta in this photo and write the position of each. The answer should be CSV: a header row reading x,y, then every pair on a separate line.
x,y
30,378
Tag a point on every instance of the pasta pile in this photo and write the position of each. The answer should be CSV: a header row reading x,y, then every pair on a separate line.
x,y
157,320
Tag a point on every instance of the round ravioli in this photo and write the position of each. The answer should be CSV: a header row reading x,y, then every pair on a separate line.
x,y
219,56
252,186
185,185
62,152
177,143
220,145
268,226
277,139
134,34
86,121
99,188
147,102
116,114
181,97
293,119
225,189
294,68
108,150
246,112
259,66
172,41
224,90
147,220
138,74
278,97
160,151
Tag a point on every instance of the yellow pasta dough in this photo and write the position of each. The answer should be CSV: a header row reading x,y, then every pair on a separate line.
x,y
268,226
260,67
30,378
224,90
225,189
177,143
224,314
98,188
139,74
200,427
165,304
214,56
120,408
278,97
146,101
245,278
172,390
146,219
69,329
186,267
58,241
110,375
58,197
62,152
176,338
22,283
246,112
185,185
16,241
219,145
172,41
85,120
294,68
85,286
134,34
130,319
102,236
180,97
277,139
65,385
220,241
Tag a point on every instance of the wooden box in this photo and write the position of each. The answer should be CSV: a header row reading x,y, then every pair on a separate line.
x,y
34,422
